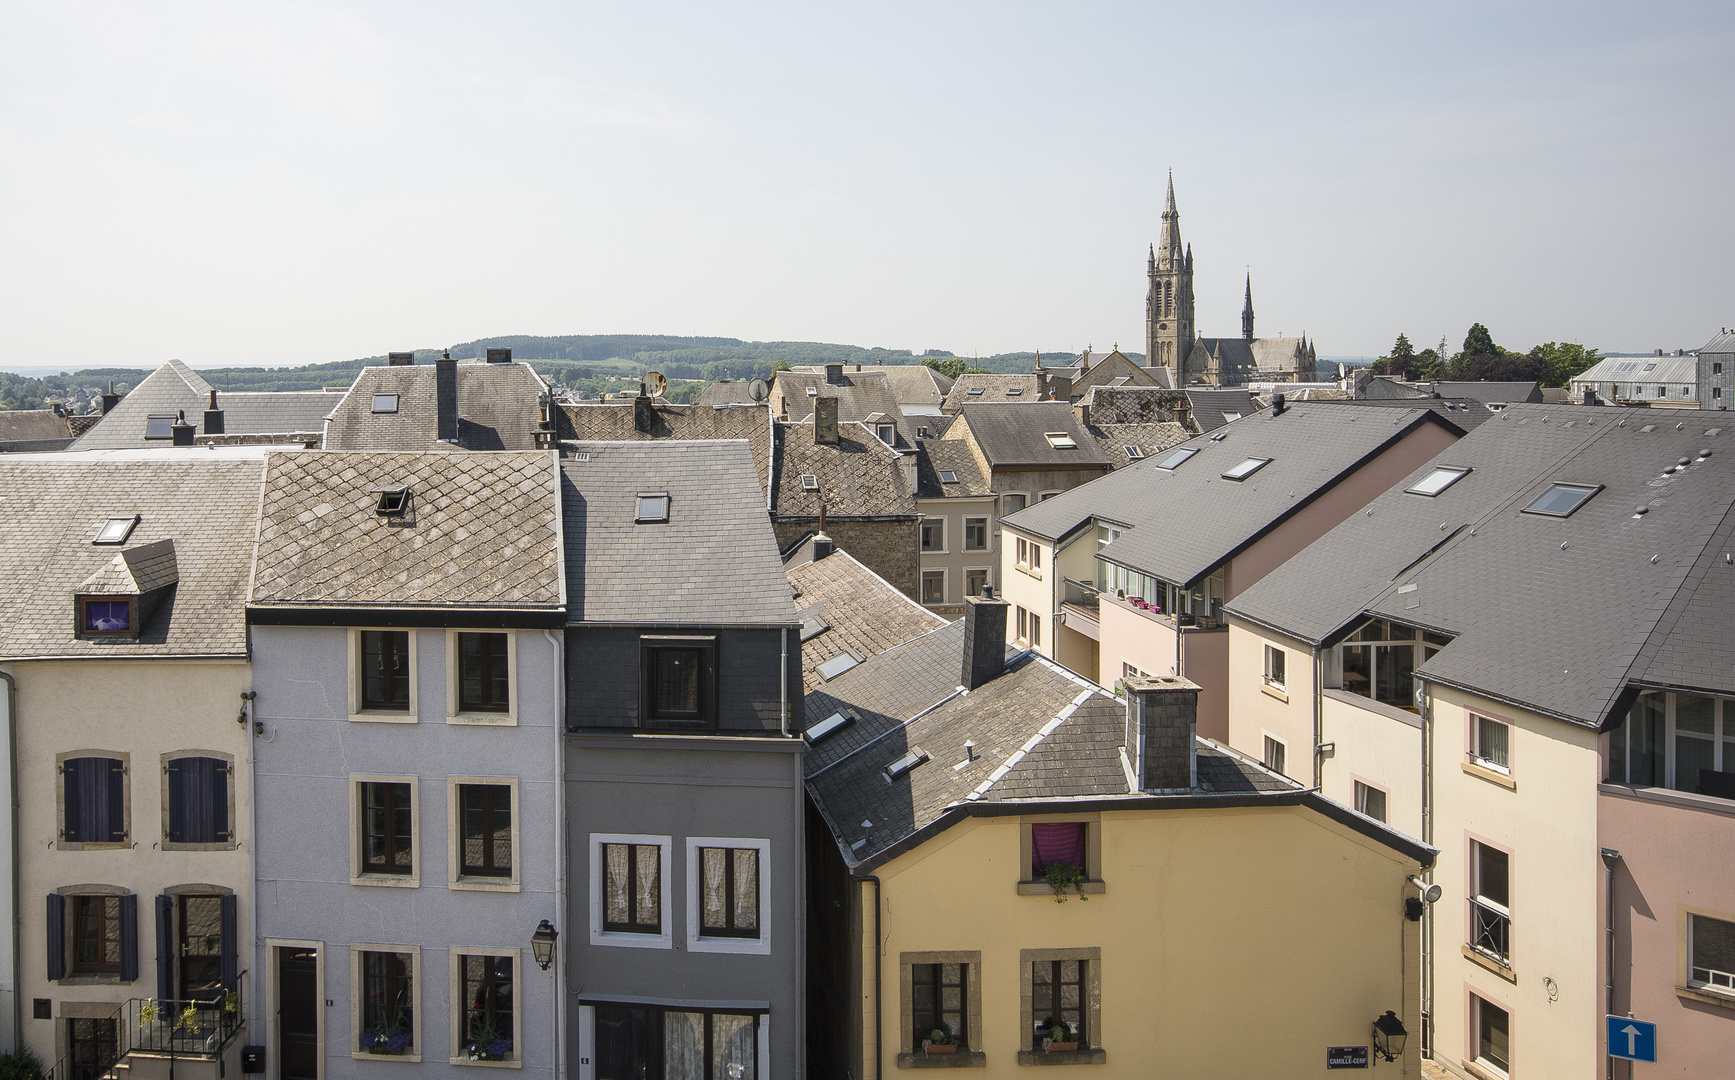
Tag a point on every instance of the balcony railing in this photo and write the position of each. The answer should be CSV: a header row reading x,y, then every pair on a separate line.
x,y
1490,930
197,1028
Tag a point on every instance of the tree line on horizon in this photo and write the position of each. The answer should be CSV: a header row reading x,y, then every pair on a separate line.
x,y
1553,363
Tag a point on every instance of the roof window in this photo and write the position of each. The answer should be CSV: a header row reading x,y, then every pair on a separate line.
x,y
1014,391
159,427
393,502
836,666
887,433
1230,417
947,476
812,628
1561,500
653,508
1134,453
903,765
385,403
975,391
1437,481
1246,468
1060,440
809,482
116,530
1177,458
813,391
830,726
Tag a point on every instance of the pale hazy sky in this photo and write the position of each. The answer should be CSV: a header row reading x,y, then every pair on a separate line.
x,y
280,183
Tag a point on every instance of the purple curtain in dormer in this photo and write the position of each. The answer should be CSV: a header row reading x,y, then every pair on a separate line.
x,y
1057,842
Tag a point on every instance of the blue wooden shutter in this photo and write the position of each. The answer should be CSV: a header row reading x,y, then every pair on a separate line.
x,y
177,774
115,827
56,936
230,954
129,937
165,947
199,801
218,800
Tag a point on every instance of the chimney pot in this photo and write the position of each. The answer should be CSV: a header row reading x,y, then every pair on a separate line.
x,y
213,417
1162,724
110,399
984,639
825,421
182,432
1278,405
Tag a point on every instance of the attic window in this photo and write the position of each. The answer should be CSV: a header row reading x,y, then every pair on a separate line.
x,y
1560,500
813,391
1134,453
1014,391
159,427
116,530
975,391
105,616
809,482
1247,468
653,508
903,765
812,628
1437,481
836,666
1230,417
947,476
887,433
385,403
1178,458
393,502
1060,440
830,726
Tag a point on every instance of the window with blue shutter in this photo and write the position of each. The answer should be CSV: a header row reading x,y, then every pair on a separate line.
x,y
198,800
95,800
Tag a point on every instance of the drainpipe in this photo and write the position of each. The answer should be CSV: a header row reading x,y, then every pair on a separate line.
x,y
1425,702
879,979
1609,858
12,762
1318,719
558,1068
783,679
249,718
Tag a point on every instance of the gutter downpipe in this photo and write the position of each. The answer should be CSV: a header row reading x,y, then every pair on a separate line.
x,y
249,718
879,980
783,680
12,762
1425,702
1609,858
1318,719
558,1067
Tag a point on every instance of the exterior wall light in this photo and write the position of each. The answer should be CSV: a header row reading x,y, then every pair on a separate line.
x,y
542,945
1389,1036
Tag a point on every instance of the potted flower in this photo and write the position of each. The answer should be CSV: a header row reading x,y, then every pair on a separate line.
x,y
1062,876
488,1045
940,1041
390,1036
1061,1038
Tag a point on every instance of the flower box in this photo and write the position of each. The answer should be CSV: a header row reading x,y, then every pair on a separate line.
x,y
1058,1047
934,1048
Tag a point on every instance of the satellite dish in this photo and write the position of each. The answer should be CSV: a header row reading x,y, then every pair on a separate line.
x,y
758,390
655,383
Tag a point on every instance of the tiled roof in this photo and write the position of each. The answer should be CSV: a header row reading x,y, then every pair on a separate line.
x,y
480,529
953,456
1113,440
1508,392
33,425
859,477
727,392
862,396
1463,413
134,572
994,388
1017,435
1209,406
714,562
54,506
849,608
174,389
499,408
613,422
917,384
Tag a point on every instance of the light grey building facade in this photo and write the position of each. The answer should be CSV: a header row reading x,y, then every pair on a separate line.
x,y
1716,371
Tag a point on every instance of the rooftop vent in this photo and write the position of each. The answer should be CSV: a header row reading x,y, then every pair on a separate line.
x,y
825,421
182,432
834,374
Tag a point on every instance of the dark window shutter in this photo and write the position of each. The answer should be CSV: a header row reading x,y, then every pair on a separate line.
x,y
72,790
165,947
177,800
116,805
219,800
231,955
56,936
198,801
129,937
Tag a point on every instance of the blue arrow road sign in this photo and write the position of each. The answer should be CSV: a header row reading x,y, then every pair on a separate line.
x,y
1635,1040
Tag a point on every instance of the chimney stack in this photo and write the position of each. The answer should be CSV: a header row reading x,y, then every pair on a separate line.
x,y
984,638
834,374
822,544
644,416
825,421
1162,721
1278,405
1059,388
1590,395
446,397
213,417
182,431
499,356
110,399
400,359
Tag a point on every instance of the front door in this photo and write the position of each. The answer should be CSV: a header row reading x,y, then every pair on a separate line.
x,y
92,1045
297,1013
200,921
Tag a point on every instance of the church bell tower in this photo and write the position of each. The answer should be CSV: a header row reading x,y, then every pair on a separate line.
x,y
1169,300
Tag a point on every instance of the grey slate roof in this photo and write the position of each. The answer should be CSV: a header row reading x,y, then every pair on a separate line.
x,y
1137,404
714,563
1558,630
499,408
727,392
1722,344
1500,392
1016,435
1113,439
175,388
1242,358
33,429
956,457
994,388
1181,525
1464,413
851,609
862,396
1210,405
481,529
859,477
55,504
612,421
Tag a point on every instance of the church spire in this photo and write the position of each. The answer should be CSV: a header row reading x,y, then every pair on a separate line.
x,y
1172,256
1247,310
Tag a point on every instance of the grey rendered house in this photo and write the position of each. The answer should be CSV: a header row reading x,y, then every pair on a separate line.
x,y
405,615
683,769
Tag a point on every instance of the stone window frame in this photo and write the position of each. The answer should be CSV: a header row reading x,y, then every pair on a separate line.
x,y
937,521
697,942
455,715
911,1056
126,760
987,573
598,936
87,978
234,840
987,534
357,994
455,1005
358,875
359,715
945,584
1093,884
456,879
1093,1054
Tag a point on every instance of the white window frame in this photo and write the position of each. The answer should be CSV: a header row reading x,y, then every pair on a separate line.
x,y
359,715
987,573
697,942
357,997
1722,735
1282,745
1475,1034
454,715
455,878
938,522
1726,989
1273,652
455,1005
1476,755
987,535
357,876
599,936
886,433
945,585
1362,788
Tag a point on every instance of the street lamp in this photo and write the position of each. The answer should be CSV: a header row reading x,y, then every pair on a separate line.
x,y
542,945
1389,1036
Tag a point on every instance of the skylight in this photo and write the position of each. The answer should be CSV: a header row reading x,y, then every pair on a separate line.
x,y
393,502
830,726
1230,417
1014,391
1437,481
1060,440
1135,452
812,628
947,476
159,427
385,403
1560,500
653,508
116,530
975,391
813,391
836,666
1247,468
1175,459
809,482
903,765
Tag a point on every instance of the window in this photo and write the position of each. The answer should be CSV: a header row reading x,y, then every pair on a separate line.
x,y
653,508
1710,953
93,1046
116,530
387,827
393,502
1046,495
197,801
939,1001
1379,661
1230,417
888,433
1029,556
830,726
934,534
1437,481
102,617
975,580
1493,1034
976,534
1060,440
93,800
385,403
96,945
1128,671
482,673
1274,754
1035,630
385,670
1370,800
1274,661
947,476
1057,842
727,903
486,990
1716,367
387,1022
1014,391
933,586
632,888
1560,500
1662,391
1011,504
202,948
809,482
485,837
159,427
1490,743
1490,913
1683,741
654,1042
1175,458
836,666
1246,468
902,766
1057,1002
679,680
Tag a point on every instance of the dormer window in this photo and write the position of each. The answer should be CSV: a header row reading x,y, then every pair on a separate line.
x,y
385,403
1134,453
887,433
1060,440
116,530
160,427
653,508
105,617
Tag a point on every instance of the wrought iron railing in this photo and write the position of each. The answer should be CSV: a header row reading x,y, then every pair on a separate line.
x,y
201,1027
1490,930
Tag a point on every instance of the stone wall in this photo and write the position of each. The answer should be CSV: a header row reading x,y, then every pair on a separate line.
x,y
891,549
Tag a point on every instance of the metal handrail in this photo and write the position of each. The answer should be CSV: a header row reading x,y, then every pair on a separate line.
x,y
196,1027
1490,930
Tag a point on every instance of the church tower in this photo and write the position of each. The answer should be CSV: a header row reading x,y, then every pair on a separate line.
x,y
1247,310
1169,301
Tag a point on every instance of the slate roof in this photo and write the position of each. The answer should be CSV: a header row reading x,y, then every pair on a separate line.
x,y
612,421
727,392
1136,404
499,408
994,389
175,388
859,477
134,572
1642,370
1504,392
480,530
849,608
1113,439
1463,413
1260,356
864,396
1094,371
1181,525
54,506
956,457
714,563
33,429
1210,405
1016,435
1556,615
1388,387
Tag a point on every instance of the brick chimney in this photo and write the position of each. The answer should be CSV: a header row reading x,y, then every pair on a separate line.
x,y
1162,720
984,638
446,397
213,417
825,420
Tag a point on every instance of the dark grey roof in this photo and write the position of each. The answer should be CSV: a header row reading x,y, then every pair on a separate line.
x,y
956,457
1139,404
1555,615
1114,439
917,384
499,408
1464,413
175,388
727,392
613,421
1250,358
480,529
1017,435
865,396
1486,391
1181,525
1388,387
34,426
858,477
994,388
713,563
851,609
54,507
1210,405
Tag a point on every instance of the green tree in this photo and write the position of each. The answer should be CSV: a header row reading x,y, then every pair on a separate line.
x,y
1398,361
1425,366
950,366
1560,361
1479,342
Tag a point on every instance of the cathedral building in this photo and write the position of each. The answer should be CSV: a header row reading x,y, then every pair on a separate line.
x,y
1171,335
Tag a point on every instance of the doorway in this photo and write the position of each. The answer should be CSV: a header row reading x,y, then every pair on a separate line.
x,y
298,1008
199,920
93,1045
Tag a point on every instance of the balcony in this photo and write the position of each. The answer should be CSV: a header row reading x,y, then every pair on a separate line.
x,y
1081,609
200,1038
